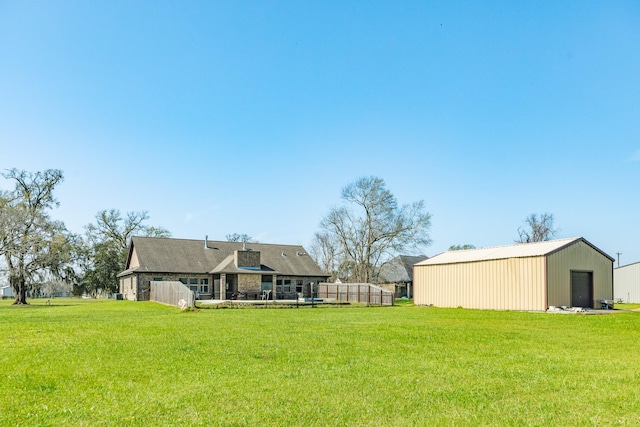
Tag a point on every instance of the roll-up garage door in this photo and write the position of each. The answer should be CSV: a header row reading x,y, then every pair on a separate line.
x,y
582,289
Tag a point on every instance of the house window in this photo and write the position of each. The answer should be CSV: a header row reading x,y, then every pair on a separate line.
x,y
183,280
287,286
204,286
298,286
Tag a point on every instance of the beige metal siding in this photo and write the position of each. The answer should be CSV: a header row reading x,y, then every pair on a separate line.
x,y
505,284
578,257
626,283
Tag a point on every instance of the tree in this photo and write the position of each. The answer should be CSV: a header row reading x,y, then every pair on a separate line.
x,y
326,252
236,237
102,267
537,228
33,245
461,247
54,288
107,242
370,228
113,227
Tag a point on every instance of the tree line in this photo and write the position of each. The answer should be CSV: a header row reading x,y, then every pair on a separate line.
x,y
355,241
41,256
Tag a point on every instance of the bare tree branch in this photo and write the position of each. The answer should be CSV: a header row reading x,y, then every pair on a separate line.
x,y
371,228
537,229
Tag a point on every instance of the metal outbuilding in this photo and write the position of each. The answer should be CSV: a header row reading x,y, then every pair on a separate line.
x,y
531,276
626,283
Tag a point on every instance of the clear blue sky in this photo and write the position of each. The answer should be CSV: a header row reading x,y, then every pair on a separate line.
x,y
234,116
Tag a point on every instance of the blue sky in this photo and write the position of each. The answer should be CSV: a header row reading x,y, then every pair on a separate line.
x,y
233,116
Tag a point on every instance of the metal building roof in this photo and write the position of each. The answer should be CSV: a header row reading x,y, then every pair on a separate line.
x,y
520,250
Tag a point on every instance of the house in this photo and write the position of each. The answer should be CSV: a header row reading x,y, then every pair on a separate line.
x,y
531,276
6,292
219,270
626,283
397,275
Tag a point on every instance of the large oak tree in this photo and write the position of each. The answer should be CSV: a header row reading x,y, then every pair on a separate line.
x,y
35,247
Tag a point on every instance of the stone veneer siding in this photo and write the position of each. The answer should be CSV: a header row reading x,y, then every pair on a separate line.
x,y
137,286
249,283
128,287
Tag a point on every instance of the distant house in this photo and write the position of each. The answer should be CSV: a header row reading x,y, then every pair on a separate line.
x,y
397,275
626,283
6,292
531,276
219,270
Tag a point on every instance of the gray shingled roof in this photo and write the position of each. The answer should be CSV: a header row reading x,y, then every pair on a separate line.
x,y
167,255
399,269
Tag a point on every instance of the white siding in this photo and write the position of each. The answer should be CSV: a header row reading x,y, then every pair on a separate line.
x,y
626,283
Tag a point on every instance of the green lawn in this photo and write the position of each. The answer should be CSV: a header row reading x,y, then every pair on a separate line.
x,y
626,306
96,362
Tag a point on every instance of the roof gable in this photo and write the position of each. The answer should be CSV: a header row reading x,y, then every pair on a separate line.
x,y
399,269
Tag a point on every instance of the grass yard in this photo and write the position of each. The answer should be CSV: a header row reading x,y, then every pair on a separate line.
x,y
101,363
619,306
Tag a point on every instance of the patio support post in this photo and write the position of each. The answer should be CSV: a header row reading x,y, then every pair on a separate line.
x,y
273,287
223,286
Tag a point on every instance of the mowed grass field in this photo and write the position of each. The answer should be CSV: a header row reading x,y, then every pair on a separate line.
x,y
101,363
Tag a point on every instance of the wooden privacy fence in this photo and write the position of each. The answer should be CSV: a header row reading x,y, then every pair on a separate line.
x,y
356,292
172,293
